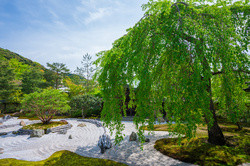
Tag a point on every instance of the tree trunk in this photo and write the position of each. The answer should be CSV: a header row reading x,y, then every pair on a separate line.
x,y
239,126
215,135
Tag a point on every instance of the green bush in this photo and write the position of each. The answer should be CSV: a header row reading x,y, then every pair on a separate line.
x,y
46,103
85,106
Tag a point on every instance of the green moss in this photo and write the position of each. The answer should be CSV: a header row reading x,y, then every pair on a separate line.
x,y
198,151
44,126
62,158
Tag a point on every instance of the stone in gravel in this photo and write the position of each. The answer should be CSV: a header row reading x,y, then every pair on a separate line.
x,y
147,140
63,131
81,125
48,131
14,132
22,123
1,123
70,136
37,133
133,137
3,133
64,121
6,117
104,143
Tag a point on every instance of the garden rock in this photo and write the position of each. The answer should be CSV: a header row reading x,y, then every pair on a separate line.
x,y
81,125
3,133
63,131
60,129
64,121
133,137
93,121
14,132
24,132
104,143
22,123
37,133
70,136
7,117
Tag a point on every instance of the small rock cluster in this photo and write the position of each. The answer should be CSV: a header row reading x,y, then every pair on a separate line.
x,y
81,125
104,143
5,118
39,132
93,121
3,133
133,137
60,129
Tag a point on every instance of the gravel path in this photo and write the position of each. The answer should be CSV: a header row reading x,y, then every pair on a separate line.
x,y
84,142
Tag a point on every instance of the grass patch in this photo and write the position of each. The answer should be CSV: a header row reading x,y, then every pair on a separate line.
x,y
227,128
199,151
62,158
44,126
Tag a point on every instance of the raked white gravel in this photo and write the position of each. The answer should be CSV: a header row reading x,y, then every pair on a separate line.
x,y
84,142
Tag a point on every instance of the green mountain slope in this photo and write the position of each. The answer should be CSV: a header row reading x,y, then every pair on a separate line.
x,y
9,55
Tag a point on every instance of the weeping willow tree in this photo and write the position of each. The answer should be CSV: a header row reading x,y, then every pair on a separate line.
x,y
173,53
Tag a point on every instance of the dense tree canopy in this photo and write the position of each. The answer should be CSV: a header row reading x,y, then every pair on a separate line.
x,y
46,103
8,85
174,52
60,70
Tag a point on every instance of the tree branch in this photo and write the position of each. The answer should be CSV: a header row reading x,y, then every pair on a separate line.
x,y
221,72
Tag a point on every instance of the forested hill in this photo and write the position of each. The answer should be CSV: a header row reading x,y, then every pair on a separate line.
x,y
10,55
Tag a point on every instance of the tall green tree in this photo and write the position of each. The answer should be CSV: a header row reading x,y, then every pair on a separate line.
x,y
8,85
87,71
60,70
174,51
32,80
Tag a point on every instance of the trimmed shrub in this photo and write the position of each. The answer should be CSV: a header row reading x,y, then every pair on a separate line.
x,y
85,106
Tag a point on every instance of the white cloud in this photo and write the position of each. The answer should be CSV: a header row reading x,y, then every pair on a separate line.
x,y
71,30
97,15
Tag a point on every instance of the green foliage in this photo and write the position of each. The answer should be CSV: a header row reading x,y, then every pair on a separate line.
x,y
32,81
174,51
198,151
85,106
11,55
60,70
74,90
8,85
87,72
46,103
50,78
62,158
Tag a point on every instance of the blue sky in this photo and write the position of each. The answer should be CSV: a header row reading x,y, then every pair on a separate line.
x,y
64,30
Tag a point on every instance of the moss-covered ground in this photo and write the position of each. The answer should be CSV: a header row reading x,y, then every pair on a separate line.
x,y
62,158
44,126
199,151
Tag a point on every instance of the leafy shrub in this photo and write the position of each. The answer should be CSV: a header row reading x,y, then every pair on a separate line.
x,y
86,106
46,103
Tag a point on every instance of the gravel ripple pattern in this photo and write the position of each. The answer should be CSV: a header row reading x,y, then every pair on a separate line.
x,y
84,142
